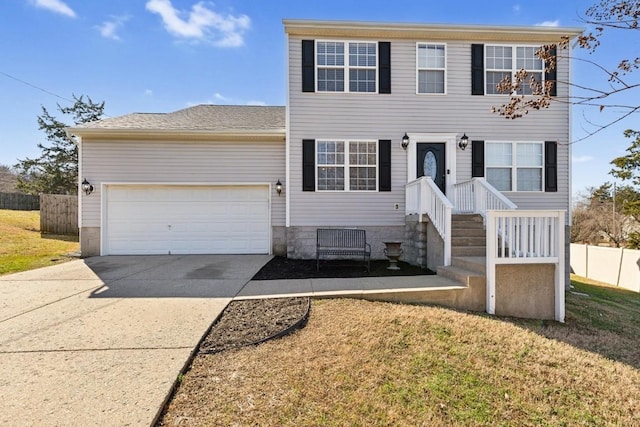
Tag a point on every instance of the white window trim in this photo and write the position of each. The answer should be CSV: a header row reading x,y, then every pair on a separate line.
x,y
346,67
514,69
514,168
347,165
418,69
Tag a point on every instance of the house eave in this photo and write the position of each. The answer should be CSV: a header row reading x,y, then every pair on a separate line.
x,y
385,30
277,135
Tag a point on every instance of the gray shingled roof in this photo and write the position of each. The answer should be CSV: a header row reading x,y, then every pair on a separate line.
x,y
216,118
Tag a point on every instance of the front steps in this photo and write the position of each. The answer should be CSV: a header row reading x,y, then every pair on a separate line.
x,y
468,251
468,236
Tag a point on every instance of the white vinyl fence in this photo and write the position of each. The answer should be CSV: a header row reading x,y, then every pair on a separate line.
x,y
615,266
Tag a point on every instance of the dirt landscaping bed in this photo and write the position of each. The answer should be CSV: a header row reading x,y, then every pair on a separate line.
x,y
286,268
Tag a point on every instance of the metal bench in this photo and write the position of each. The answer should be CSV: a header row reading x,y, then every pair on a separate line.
x,y
342,241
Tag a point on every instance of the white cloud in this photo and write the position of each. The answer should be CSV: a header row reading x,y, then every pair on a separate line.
x,y
148,92
581,159
109,29
201,23
57,6
555,23
256,102
516,8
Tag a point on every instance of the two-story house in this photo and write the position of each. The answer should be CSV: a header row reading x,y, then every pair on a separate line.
x,y
388,127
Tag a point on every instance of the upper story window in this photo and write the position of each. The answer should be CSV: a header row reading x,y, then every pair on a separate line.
x,y
505,61
431,67
346,66
514,166
343,165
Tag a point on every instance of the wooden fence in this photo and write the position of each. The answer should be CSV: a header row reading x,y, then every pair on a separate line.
x,y
59,214
19,202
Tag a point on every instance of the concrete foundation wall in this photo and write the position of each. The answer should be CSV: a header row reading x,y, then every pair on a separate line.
x,y
526,290
301,241
472,298
89,241
423,245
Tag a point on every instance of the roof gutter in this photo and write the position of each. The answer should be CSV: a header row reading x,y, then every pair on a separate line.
x,y
303,27
177,134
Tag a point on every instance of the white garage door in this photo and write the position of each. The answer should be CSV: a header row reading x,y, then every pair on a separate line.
x,y
150,219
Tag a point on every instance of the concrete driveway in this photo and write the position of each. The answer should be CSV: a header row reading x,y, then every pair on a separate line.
x,y
101,341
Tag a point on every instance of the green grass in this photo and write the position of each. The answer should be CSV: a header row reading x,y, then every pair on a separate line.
x,y
380,364
22,247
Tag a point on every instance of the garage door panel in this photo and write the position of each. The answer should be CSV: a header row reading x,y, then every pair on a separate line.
x,y
187,220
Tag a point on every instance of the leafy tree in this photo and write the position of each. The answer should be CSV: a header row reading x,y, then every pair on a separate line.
x,y
627,167
56,170
8,179
606,15
607,211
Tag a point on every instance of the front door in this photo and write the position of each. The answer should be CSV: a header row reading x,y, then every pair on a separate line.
x,y
431,163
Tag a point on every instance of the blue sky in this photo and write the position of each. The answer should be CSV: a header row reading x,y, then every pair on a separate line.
x,y
164,55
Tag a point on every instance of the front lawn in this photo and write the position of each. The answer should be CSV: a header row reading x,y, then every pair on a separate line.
x,y
375,364
23,248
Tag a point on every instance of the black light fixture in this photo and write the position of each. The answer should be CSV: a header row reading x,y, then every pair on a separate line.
x,y
278,187
405,141
464,141
87,187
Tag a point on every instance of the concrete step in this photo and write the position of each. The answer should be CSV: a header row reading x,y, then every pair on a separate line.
x,y
468,232
477,264
461,275
468,250
468,241
467,225
467,217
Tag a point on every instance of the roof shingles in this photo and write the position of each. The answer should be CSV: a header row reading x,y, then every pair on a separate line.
x,y
214,118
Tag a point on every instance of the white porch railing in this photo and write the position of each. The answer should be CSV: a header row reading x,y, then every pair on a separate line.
x,y
423,196
525,237
478,196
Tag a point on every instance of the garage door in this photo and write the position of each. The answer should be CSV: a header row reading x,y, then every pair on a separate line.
x,y
186,220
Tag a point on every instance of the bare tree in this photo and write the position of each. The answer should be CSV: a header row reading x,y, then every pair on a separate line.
x,y
8,179
606,15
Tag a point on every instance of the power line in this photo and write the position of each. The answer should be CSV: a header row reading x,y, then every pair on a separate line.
x,y
36,87
48,92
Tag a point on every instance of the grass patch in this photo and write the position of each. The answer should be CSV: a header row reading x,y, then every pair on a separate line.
x,y
23,248
366,363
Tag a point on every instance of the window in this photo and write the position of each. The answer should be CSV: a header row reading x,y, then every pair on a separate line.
x,y
431,62
347,165
346,66
505,61
514,166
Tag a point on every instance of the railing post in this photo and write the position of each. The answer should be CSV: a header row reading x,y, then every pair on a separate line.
x,y
447,238
491,237
560,274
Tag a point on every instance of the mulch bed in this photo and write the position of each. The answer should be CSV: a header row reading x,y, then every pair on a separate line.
x,y
250,322
285,268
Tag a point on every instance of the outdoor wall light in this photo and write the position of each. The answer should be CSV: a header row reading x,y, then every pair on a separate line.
x,y
87,187
279,187
464,141
405,141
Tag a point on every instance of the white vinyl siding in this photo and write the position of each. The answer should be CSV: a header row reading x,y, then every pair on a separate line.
x,y
431,62
339,117
346,66
177,161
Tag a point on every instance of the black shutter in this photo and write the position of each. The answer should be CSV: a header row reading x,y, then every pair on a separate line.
x,y
384,172
477,69
550,166
308,66
384,61
477,158
551,75
308,165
